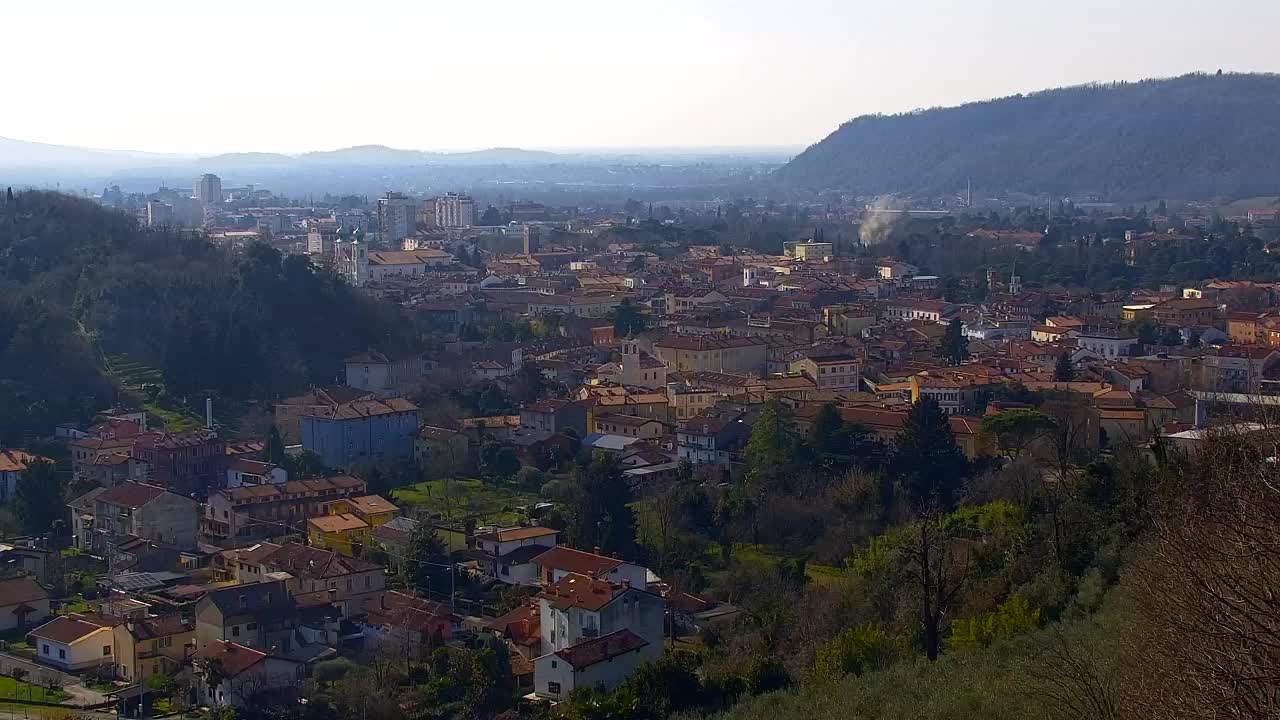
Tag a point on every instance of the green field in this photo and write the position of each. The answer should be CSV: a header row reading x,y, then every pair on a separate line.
x,y
13,689
745,552
460,500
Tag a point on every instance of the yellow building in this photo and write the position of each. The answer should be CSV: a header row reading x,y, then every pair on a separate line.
x,y
372,509
339,533
152,646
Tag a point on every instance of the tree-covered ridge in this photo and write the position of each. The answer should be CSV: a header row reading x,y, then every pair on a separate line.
x,y
78,282
1192,136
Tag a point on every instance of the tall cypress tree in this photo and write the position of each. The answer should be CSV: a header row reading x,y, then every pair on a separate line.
x,y
954,346
927,463
1063,371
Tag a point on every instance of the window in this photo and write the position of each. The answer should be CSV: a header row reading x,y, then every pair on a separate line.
x,y
368,582
553,665
165,642
251,627
45,649
62,654
553,688
235,631
106,649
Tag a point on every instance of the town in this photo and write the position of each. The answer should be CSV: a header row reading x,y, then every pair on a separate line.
x,y
612,433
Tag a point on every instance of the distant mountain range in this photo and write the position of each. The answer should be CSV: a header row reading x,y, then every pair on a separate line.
x,y
1196,136
24,154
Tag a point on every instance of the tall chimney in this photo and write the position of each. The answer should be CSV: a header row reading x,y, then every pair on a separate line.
x,y
208,412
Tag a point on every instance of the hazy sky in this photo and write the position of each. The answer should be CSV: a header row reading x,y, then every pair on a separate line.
x,y
270,75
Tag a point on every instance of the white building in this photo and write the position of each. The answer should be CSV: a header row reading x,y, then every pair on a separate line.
x,y
208,189
511,552
397,217
1107,346
405,263
455,210
594,633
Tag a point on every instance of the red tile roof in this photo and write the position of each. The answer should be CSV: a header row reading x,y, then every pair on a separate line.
x,y
18,460
602,648
131,494
576,561
66,629
235,658
19,590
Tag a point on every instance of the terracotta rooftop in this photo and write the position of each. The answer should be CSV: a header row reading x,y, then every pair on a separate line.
x,y
131,494
576,561
602,648
235,658
513,534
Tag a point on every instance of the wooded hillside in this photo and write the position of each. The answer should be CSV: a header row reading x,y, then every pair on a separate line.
x,y
1196,136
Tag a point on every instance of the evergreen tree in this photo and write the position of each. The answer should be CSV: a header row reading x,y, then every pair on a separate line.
x,y
273,449
927,463
771,450
599,507
39,497
427,566
1063,370
955,348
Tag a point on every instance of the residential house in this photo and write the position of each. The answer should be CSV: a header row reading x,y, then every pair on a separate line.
x,y
590,664
346,533
556,563
372,509
242,471
395,538
73,643
508,555
384,375
12,464
247,675
153,645
905,309
830,368
586,621
714,353
362,432
144,511
715,437
260,615
350,582
289,412
553,415
185,462
259,511
628,426
1181,312
409,625
1107,345
687,401
23,603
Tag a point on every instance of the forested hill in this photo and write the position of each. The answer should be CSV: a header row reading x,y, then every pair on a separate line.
x,y
79,283
1196,136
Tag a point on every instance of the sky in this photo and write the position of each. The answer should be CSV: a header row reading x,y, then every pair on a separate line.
x,y
290,76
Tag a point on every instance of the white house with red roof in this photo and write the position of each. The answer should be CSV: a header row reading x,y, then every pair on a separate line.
x,y
594,632
556,563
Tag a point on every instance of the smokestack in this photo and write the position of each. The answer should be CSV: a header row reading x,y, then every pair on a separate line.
x,y
208,412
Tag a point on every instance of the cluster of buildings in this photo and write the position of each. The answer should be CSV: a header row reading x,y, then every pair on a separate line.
x,y
663,353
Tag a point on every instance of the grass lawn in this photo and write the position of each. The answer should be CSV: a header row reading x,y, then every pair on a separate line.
x,y
459,500
10,688
75,604
174,420
9,711
817,574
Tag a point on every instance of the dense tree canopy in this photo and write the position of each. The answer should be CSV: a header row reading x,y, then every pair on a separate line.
x,y
1193,136
79,283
